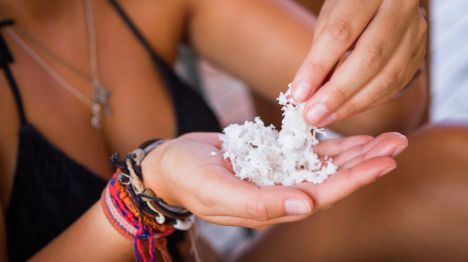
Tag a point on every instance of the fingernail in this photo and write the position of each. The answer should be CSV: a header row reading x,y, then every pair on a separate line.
x,y
316,113
399,134
386,171
297,207
300,91
327,120
398,150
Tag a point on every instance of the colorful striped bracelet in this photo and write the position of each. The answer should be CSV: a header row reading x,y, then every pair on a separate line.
x,y
136,212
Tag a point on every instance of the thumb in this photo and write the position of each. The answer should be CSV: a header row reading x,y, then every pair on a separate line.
x,y
273,202
230,196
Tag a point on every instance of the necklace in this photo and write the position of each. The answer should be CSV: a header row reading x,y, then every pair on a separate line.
x,y
49,53
101,94
99,104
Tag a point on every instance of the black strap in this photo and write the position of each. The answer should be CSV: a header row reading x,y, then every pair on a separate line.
x,y
5,59
141,38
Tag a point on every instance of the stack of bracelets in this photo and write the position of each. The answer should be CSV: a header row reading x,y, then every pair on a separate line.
x,y
136,212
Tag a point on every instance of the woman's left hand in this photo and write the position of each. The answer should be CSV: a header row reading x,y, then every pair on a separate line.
x,y
388,38
186,173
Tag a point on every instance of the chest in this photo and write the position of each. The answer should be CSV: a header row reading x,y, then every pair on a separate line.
x,y
140,101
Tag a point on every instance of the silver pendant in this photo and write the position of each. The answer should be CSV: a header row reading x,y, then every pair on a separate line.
x,y
101,96
100,104
97,115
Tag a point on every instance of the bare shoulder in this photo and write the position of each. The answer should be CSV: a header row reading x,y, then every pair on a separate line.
x,y
9,125
162,22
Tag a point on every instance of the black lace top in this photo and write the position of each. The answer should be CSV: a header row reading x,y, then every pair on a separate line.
x,y
51,190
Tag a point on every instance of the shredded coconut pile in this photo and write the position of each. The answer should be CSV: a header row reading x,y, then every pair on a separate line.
x,y
265,156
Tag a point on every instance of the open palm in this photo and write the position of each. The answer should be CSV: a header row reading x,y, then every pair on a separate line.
x,y
190,175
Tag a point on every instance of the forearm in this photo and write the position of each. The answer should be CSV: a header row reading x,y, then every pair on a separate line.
x,y
90,238
261,42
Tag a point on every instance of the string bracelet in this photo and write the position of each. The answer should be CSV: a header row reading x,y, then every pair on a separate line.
x,y
137,212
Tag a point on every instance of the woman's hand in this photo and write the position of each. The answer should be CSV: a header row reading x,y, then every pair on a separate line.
x,y
185,173
388,40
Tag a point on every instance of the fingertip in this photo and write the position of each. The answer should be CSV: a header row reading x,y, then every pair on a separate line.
x,y
404,140
328,120
315,113
399,150
297,206
400,136
389,162
300,90
293,201
400,141
390,167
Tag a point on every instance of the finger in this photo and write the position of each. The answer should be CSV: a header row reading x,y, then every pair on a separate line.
x,y
347,181
341,29
384,145
323,17
410,76
391,149
385,85
373,50
332,147
229,196
343,58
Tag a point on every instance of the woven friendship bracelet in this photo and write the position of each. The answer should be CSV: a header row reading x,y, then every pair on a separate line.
x,y
147,235
113,214
136,212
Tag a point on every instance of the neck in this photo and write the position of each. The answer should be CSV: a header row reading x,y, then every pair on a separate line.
x,y
40,12
57,24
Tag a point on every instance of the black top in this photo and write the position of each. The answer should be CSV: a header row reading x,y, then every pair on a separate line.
x,y
51,190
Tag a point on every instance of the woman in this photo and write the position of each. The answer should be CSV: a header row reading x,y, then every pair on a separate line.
x,y
60,61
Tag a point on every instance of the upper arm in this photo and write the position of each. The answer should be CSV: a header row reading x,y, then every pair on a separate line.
x,y
9,124
262,42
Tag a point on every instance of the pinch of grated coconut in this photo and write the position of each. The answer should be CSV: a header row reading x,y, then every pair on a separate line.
x,y
264,156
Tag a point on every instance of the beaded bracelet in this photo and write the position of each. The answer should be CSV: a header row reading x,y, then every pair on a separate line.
x,y
136,212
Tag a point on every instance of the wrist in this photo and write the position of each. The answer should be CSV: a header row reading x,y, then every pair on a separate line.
x,y
134,209
155,169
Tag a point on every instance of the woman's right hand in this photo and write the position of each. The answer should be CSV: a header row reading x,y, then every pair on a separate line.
x,y
186,173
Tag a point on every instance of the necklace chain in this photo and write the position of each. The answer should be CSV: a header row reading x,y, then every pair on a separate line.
x,y
101,94
99,104
56,76
79,72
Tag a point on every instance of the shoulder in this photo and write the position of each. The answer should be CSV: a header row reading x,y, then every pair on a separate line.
x,y
9,127
9,115
163,22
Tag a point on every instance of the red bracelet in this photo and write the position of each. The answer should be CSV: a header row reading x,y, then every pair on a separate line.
x,y
124,215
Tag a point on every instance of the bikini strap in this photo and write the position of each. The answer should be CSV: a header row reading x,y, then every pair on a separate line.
x,y
5,59
138,34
